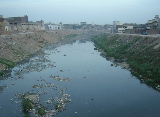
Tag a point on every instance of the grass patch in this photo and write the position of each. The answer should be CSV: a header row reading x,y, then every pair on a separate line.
x,y
26,115
1,73
8,63
141,57
41,111
26,105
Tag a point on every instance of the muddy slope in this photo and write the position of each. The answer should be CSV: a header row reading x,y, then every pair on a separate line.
x,y
16,47
142,53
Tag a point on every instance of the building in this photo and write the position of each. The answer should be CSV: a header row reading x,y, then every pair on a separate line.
x,y
38,25
153,26
108,28
16,22
116,25
83,23
22,23
51,26
1,22
154,23
4,24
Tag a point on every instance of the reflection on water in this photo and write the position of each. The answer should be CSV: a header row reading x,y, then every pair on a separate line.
x,y
74,80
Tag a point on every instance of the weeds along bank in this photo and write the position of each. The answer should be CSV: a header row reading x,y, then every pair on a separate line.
x,y
18,46
142,53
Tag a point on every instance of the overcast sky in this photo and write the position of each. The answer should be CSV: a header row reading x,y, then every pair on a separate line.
x,y
76,11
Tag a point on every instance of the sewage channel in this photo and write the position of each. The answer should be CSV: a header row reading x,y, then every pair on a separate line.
x,y
80,82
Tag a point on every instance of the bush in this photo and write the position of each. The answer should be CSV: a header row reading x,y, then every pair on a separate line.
x,y
26,105
142,59
41,111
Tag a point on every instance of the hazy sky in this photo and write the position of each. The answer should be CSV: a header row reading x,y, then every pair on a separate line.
x,y
76,11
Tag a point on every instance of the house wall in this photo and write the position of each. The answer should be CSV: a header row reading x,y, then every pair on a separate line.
x,y
6,28
129,27
158,23
153,31
121,30
4,25
53,26
136,31
116,25
39,25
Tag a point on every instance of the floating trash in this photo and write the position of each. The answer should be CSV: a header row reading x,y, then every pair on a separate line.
x,y
60,78
36,65
37,109
33,98
38,86
61,102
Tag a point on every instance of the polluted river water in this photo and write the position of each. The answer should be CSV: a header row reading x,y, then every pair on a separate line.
x,y
73,80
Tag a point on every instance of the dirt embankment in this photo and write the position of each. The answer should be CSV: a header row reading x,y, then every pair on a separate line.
x,y
142,53
16,47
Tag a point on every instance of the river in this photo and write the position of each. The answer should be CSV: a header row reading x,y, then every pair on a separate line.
x,y
94,87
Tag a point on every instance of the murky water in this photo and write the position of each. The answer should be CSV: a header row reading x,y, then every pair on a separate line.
x,y
96,88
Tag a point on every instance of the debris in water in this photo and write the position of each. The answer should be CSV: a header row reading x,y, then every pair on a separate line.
x,y
60,78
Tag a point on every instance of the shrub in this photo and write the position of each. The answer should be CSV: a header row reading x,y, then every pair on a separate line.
x,y
41,111
26,105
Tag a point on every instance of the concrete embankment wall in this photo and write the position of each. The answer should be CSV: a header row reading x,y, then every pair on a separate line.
x,y
16,47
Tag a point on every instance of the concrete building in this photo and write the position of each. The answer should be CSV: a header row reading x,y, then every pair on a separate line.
x,y
51,26
121,30
138,29
4,24
38,25
1,23
83,23
22,23
116,25
157,17
16,22
154,23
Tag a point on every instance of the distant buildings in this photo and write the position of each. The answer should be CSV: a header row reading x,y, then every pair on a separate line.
x,y
83,23
4,24
22,24
154,23
19,24
51,26
151,27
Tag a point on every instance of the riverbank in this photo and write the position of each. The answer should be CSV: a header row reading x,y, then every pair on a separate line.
x,y
141,53
15,47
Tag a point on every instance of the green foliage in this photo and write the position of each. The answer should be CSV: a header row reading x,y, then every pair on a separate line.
x,y
143,60
26,105
41,111
1,73
26,115
8,63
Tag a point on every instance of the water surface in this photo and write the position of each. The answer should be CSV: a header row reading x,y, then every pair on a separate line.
x,y
96,88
